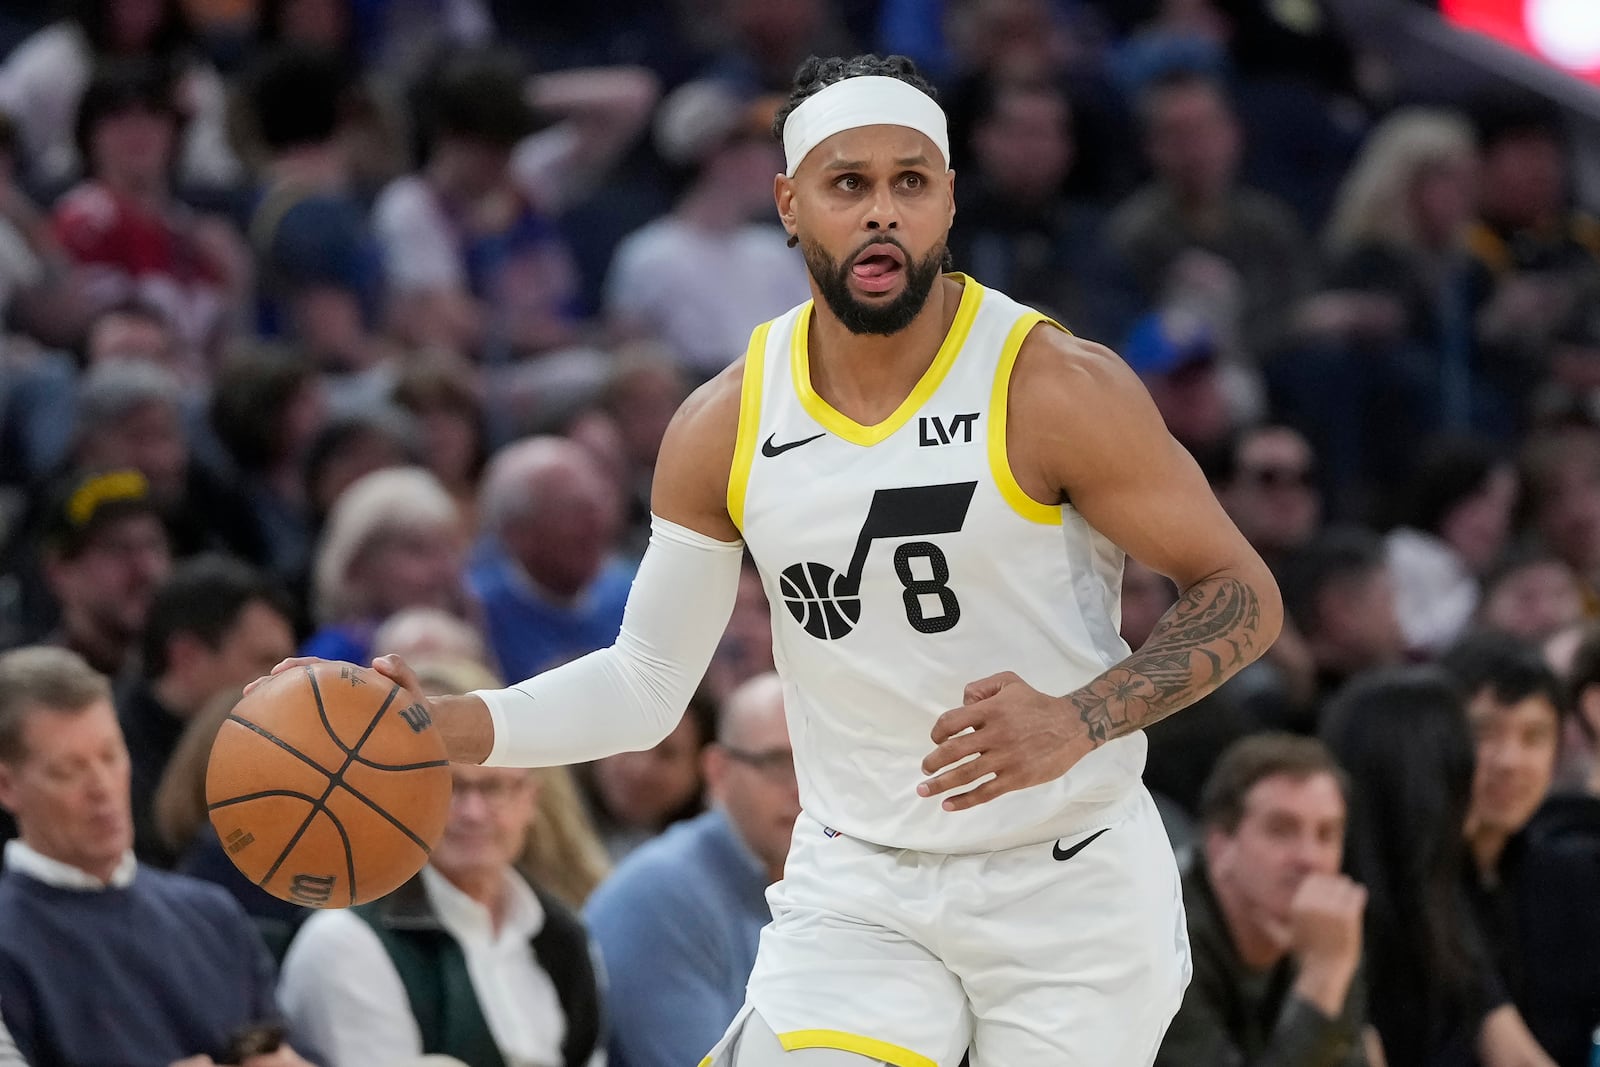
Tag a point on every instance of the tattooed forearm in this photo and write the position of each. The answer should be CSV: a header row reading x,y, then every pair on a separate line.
x,y
1210,633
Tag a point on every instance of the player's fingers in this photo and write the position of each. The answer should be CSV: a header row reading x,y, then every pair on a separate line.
x,y
952,722
400,673
951,751
295,661
973,797
984,688
955,777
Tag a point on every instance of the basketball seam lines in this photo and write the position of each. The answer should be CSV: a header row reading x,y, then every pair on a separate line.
x,y
348,788
335,780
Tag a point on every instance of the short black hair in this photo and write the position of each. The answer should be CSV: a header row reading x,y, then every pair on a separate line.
x,y
296,95
1337,554
204,596
1510,668
817,73
478,94
118,85
1450,472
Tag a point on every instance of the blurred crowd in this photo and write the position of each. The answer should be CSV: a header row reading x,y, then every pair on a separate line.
x,y
352,327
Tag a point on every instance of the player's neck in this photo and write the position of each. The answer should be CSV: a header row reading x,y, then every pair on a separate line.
x,y
867,376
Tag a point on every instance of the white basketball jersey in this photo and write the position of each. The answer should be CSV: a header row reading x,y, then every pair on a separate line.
x,y
902,561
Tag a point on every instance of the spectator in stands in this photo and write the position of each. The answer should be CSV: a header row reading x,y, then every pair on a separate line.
x,y
746,646
469,245
679,920
350,446
1402,736
1561,476
1176,354
441,394
320,276
1532,595
545,573
467,959
642,393
132,413
563,854
213,625
129,235
1583,694
702,277
430,635
1533,899
633,796
266,409
1459,508
1268,485
103,960
393,541
1274,927
43,80
1193,140
1338,591
1019,232
105,552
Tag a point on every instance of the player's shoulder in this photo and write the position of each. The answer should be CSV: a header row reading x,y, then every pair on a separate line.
x,y
709,418
1058,367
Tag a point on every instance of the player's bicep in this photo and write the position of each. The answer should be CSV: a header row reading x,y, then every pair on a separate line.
x,y
690,487
1111,455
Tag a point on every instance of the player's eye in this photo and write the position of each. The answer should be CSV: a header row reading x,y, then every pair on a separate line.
x,y
913,181
850,183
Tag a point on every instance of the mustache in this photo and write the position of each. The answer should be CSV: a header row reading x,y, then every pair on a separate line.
x,y
884,240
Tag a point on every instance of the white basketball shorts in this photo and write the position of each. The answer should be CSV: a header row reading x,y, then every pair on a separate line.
x,y
1068,953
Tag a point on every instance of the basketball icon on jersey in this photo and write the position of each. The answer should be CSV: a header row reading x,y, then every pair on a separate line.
x,y
827,604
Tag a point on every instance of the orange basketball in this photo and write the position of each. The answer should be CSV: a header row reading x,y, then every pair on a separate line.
x,y
328,785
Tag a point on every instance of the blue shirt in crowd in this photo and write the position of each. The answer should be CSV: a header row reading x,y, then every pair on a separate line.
x,y
677,924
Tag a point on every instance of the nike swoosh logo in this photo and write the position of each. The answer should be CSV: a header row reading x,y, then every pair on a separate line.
x,y
1067,853
770,450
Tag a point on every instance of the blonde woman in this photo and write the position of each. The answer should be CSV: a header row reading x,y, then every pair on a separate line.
x,y
393,540
563,853
1397,236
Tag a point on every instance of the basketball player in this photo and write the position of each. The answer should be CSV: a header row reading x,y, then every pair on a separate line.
x,y
938,485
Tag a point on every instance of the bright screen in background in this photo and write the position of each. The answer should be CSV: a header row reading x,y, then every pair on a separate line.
x,y
1565,33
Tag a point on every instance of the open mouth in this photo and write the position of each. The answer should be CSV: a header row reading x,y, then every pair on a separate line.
x,y
878,267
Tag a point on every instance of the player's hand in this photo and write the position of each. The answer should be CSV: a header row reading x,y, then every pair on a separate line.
x,y
1325,919
1019,736
193,1061
283,665
400,673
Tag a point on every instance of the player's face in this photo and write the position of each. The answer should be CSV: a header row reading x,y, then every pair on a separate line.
x,y
491,809
69,790
871,208
1291,828
1516,746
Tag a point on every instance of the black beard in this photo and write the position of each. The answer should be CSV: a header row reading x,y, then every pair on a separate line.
x,y
833,281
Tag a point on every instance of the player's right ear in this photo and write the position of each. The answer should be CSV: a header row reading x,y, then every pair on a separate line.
x,y
783,194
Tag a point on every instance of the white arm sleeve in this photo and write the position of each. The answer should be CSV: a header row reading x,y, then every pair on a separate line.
x,y
627,697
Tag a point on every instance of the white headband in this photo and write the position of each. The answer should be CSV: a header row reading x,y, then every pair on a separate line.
x,y
868,100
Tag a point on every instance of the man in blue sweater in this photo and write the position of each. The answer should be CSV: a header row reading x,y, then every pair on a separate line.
x,y
679,920
104,961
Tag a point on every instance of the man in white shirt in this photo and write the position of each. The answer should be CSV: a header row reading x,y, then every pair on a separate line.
x,y
467,959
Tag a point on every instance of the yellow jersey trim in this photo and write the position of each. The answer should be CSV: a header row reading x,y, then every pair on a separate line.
x,y
706,1062
999,460
842,425
870,1047
744,444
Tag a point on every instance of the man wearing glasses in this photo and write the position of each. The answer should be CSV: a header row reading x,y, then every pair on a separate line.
x,y
679,920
